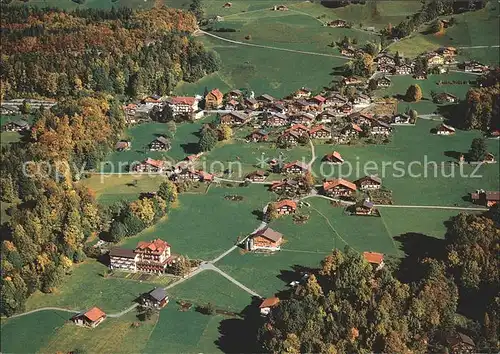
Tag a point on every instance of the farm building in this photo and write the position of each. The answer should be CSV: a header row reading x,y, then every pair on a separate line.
x,y
285,207
384,81
375,259
266,239
334,158
369,182
251,103
267,304
16,126
444,129
486,198
365,207
234,118
156,298
277,120
338,23
160,144
257,136
183,105
296,167
149,165
256,176
92,318
300,129
320,132
339,188
303,118
287,185
445,97
213,99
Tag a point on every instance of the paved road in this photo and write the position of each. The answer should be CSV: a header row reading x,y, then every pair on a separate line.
x,y
271,47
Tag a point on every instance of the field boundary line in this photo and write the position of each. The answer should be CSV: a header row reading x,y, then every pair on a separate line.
x,y
333,229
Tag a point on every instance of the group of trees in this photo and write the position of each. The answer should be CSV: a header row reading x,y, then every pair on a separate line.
x,y
413,93
56,54
213,132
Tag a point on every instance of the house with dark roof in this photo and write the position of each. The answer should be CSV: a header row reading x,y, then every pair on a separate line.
x,y
401,118
156,298
369,182
290,136
251,103
445,129
320,132
383,81
277,120
234,118
297,167
91,318
16,126
258,136
265,99
445,97
303,118
303,92
266,239
366,208
485,198
122,259
160,144
300,129
256,176
123,145
459,343
287,186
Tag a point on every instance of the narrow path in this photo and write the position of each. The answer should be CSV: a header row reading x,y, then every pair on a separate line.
x,y
44,309
210,266
431,207
121,313
479,47
271,47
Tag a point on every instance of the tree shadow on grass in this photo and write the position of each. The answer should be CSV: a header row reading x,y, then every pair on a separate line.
x,y
417,247
240,335
453,154
190,148
259,214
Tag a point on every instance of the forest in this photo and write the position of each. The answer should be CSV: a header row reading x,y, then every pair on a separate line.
x,y
52,53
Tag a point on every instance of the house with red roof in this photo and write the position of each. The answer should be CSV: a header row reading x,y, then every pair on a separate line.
x,y
213,99
182,105
296,167
149,165
285,207
375,259
318,100
265,239
267,304
154,256
91,318
320,132
232,105
339,187
352,130
299,129
486,198
333,157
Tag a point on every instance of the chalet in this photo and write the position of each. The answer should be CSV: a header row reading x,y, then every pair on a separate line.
x,y
277,120
232,105
318,100
337,23
185,174
369,182
303,92
486,198
16,126
320,132
489,158
445,129
447,51
345,109
336,100
280,8
386,68
258,136
183,105
339,188
460,343
299,129
130,109
296,167
160,144
265,99
287,185
361,119
474,66
352,130
251,103
380,128
153,99
285,206
375,259
233,118
267,304
326,116
361,98
352,81
333,157
123,145
434,59
234,94
420,76
385,59
401,118
92,318
403,69
203,176
256,176
302,105
122,258
291,137
384,81
149,165
213,99
303,118
154,256
266,239
445,97
156,298
276,107
365,207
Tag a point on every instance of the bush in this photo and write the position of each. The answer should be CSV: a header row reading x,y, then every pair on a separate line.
x,y
208,309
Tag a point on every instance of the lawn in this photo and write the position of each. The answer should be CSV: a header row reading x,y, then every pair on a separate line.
x,y
416,188
28,334
86,287
204,226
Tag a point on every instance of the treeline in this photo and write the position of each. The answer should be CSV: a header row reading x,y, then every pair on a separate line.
x,y
347,307
53,53
51,217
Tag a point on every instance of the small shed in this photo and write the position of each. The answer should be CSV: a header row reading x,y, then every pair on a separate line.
x,y
92,318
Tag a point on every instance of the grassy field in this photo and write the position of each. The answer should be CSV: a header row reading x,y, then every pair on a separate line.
x,y
30,333
204,226
86,288
406,146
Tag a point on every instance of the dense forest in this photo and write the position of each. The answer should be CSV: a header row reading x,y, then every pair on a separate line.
x,y
347,307
53,53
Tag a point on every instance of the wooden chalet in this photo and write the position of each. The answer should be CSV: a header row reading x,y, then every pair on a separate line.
x,y
150,165
403,69
265,99
445,97
337,23
256,176
383,81
369,182
361,119
185,174
91,318
485,198
290,136
123,145
234,118
334,158
122,258
361,98
386,59
276,107
266,239
320,132
203,176
251,103
489,158
349,52
459,343
267,304
183,105
285,207
300,129
352,130
156,298
287,185
386,68
302,105
445,129
232,105
303,118
213,99
474,66
16,126
375,259
277,120
339,188
160,144
296,167
380,128
303,92
258,136
366,208
352,81
434,59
